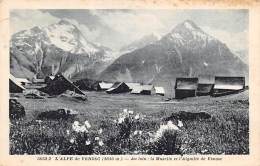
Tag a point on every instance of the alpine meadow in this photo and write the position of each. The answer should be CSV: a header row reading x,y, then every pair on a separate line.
x,y
129,82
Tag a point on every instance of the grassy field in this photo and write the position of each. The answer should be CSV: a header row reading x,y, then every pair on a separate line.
x,y
226,132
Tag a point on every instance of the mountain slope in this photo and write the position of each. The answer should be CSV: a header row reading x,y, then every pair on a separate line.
x,y
185,51
142,42
59,47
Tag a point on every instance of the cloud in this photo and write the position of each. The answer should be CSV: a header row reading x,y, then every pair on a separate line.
x,y
234,40
82,16
25,19
132,25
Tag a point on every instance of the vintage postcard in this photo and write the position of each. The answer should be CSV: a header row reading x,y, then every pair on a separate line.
x,y
127,83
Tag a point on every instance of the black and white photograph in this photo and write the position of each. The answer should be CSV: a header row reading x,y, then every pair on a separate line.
x,y
129,82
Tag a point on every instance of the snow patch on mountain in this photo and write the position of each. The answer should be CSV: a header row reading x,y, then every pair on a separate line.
x,y
188,26
205,64
186,33
67,37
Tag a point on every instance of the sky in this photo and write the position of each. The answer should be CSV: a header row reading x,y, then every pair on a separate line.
x,y
115,28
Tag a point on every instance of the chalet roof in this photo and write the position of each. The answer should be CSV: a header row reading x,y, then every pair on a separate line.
x,y
186,83
159,90
132,85
137,89
229,83
104,85
52,77
115,85
147,87
118,87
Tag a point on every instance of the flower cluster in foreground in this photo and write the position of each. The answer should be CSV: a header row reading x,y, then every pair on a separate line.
x,y
169,127
77,127
83,138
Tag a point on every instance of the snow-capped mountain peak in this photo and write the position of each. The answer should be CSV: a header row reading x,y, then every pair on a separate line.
x,y
61,44
69,38
189,34
186,51
190,25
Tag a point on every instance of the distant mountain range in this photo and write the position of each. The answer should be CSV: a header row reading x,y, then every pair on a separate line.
x,y
186,51
59,47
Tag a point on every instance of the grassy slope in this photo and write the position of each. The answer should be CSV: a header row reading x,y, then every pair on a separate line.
x,y
226,132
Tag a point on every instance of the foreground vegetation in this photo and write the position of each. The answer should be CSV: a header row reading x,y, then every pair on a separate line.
x,y
132,131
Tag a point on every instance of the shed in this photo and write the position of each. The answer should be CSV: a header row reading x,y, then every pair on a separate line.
x,y
59,85
205,85
185,87
228,85
159,90
118,87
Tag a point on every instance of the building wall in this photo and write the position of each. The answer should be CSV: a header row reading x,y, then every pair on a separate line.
x,y
180,93
223,92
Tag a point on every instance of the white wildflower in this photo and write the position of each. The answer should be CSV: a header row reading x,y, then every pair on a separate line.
x,y
100,131
204,151
87,124
137,116
68,132
82,129
125,111
96,138
88,142
38,121
172,126
115,121
121,120
168,127
76,123
72,140
180,124
131,112
136,152
76,128
135,132
100,143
